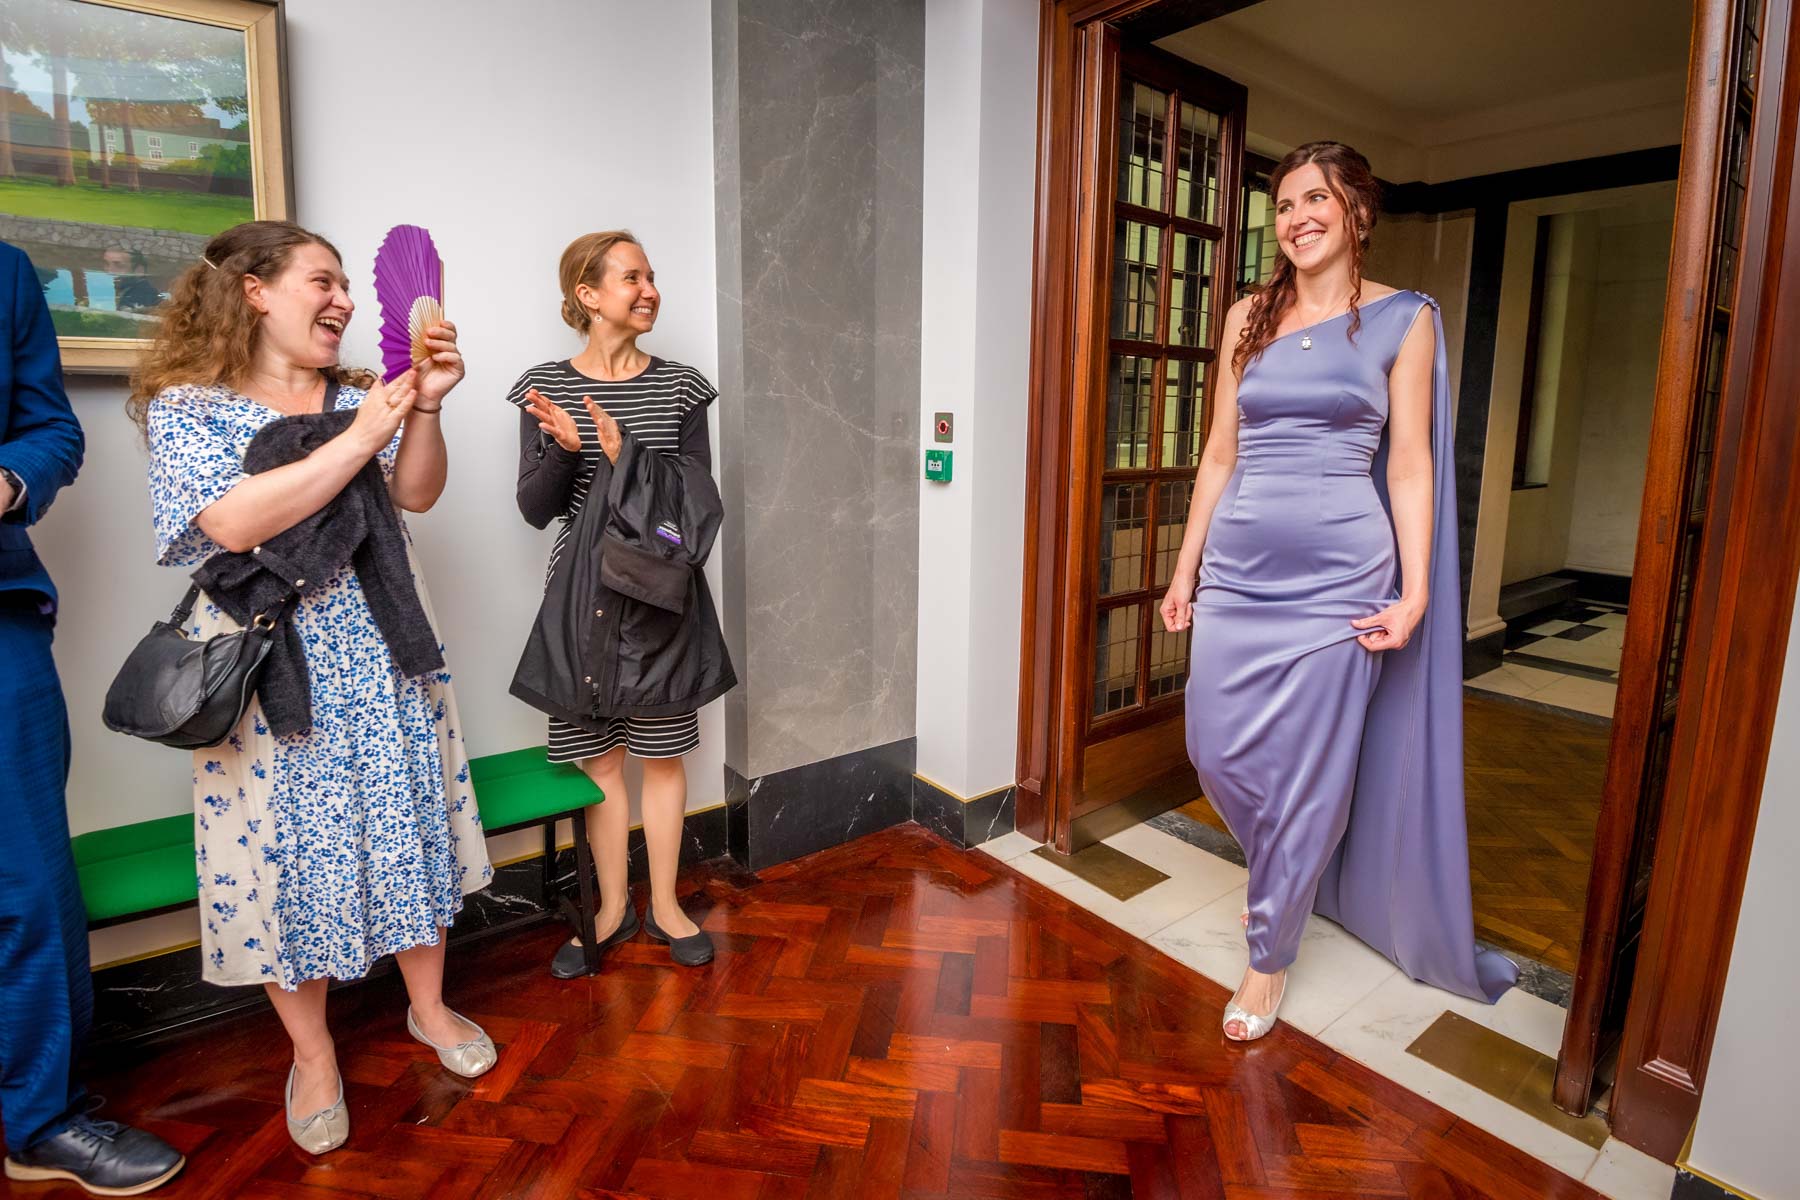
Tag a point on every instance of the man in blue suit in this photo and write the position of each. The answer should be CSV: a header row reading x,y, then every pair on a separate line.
x,y
46,997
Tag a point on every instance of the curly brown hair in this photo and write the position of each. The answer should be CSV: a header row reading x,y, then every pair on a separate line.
x,y
1348,176
208,328
584,261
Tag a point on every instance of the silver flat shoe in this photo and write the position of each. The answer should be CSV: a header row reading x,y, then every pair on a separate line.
x,y
326,1129
467,1059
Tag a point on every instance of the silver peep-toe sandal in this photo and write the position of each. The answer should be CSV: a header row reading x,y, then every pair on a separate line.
x,y
1255,1024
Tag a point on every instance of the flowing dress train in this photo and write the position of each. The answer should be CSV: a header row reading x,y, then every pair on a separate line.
x,y
1338,769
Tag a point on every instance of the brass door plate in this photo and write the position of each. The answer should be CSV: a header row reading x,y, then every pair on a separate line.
x,y
1504,1069
1117,874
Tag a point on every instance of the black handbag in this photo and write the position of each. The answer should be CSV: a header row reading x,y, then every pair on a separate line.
x,y
184,693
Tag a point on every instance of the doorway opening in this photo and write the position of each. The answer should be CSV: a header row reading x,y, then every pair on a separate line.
x,y
1575,201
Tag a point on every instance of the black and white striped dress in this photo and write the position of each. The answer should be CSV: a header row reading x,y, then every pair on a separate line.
x,y
651,407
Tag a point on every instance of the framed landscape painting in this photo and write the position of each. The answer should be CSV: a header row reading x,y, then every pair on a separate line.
x,y
130,133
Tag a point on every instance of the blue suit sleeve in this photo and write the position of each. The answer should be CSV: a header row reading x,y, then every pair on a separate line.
x,y
43,443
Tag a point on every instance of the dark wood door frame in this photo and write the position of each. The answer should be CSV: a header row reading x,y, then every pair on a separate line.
x,y
1069,345
1601,987
1743,604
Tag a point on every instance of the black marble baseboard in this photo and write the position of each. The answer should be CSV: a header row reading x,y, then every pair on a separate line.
x,y
1215,842
1689,1186
156,995
965,822
789,814
1483,654
1593,585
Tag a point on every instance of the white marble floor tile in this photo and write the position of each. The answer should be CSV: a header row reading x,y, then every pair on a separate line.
x,y
1626,1173
1550,627
1594,696
1377,1031
1172,856
1332,973
1036,866
1154,908
1584,652
1211,940
1008,846
1515,680
1610,639
1611,620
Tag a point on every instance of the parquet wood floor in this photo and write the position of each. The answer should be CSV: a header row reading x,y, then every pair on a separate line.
x,y
895,1017
1533,781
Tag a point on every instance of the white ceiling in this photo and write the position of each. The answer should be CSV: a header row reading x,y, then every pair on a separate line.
x,y
1464,56
1448,89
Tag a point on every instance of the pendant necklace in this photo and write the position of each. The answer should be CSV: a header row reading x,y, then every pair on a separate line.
x,y
1306,334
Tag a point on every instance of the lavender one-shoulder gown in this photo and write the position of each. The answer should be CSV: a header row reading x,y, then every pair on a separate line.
x,y
1338,769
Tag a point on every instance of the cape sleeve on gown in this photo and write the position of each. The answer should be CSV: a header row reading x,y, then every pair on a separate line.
x,y
1400,877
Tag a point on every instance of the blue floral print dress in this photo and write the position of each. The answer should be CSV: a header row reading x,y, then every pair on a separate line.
x,y
320,852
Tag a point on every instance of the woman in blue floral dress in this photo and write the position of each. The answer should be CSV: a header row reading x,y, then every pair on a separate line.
x,y
319,852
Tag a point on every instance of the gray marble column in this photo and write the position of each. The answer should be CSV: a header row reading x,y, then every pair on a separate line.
x,y
819,127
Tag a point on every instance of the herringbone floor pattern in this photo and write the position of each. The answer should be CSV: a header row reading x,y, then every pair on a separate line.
x,y
892,1018
1533,782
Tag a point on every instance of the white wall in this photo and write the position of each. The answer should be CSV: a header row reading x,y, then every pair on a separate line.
x,y
505,137
1745,1133
1429,252
980,154
1620,388
1537,532
1633,342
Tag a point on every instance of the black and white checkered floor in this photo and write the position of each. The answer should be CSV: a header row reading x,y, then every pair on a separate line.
x,y
1569,660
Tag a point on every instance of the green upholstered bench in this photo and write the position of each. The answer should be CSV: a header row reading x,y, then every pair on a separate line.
x,y
135,870
517,790
138,870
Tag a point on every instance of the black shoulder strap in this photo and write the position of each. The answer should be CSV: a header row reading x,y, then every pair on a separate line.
x,y
185,607
331,395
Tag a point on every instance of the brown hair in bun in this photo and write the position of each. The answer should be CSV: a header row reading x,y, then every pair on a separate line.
x,y
585,262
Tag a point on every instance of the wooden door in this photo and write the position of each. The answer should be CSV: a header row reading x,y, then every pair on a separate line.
x,y
1159,219
1677,519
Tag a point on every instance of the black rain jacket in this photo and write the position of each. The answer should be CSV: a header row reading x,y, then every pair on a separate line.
x,y
627,627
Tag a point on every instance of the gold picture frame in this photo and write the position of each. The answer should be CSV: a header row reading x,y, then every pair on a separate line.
x,y
131,131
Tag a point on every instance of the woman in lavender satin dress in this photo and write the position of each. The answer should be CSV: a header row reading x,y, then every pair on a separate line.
x,y
1319,574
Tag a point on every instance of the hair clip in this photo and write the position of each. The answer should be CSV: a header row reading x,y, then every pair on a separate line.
x,y
209,262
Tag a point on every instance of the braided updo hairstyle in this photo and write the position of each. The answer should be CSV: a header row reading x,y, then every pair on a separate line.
x,y
585,262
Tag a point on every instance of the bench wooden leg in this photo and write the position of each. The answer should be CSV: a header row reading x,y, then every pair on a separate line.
x,y
547,889
585,885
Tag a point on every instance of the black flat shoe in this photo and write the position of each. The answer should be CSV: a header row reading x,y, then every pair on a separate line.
x,y
571,963
105,1157
695,950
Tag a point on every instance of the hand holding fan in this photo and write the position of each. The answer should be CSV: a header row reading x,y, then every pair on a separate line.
x,y
409,283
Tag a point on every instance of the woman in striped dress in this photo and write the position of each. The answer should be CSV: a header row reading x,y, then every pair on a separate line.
x,y
578,410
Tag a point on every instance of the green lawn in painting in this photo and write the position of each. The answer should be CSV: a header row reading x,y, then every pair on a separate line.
x,y
98,324
178,212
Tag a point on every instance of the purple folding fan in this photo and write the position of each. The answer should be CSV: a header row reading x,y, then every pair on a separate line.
x,y
409,282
